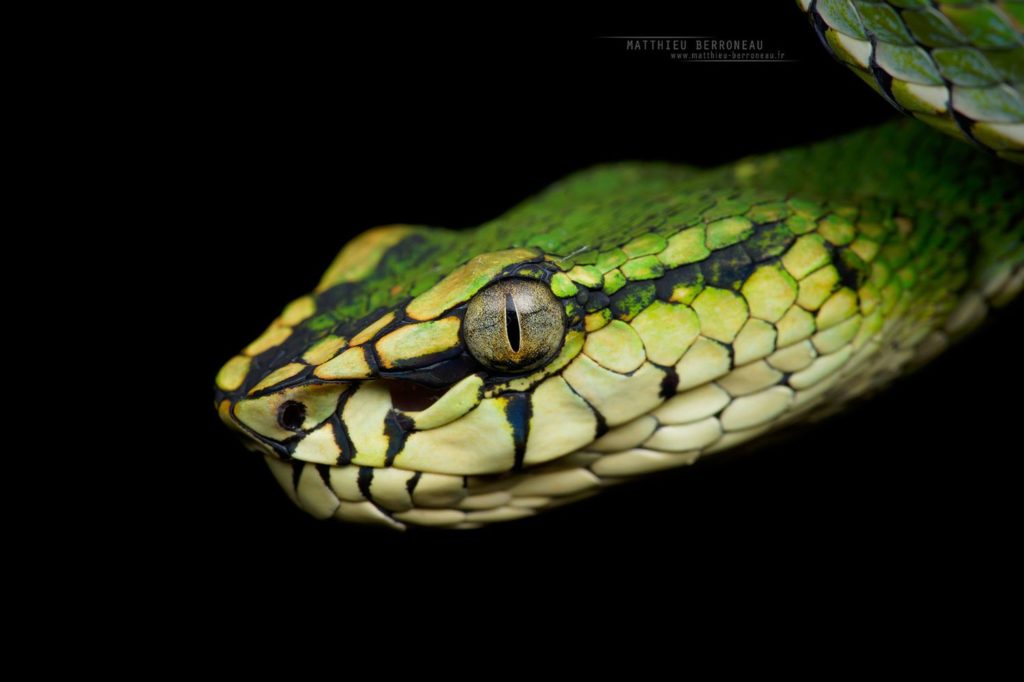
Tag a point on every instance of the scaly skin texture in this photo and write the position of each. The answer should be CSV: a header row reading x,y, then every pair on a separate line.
x,y
957,65
703,309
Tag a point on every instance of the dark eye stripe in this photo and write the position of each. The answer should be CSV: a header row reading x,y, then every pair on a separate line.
x,y
511,323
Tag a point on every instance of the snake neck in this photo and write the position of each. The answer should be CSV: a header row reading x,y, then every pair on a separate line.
x,y
937,237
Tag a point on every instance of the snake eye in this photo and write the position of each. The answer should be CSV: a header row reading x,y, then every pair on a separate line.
x,y
514,325
291,414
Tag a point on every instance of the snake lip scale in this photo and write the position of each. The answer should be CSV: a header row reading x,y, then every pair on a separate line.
x,y
635,317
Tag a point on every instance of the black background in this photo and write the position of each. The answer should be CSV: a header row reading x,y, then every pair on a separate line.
x,y
275,142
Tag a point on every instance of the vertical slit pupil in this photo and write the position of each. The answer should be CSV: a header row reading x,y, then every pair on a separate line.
x,y
512,323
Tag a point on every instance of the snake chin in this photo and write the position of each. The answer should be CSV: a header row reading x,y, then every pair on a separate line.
x,y
399,498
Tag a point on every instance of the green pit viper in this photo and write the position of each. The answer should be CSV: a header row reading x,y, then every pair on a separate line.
x,y
637,316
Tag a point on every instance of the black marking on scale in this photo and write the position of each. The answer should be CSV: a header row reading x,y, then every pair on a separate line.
x,y
687,275
411,484
632,298
727,268
341,436
518,410
853,272
370,355
364,480
670,383
396,429
768,241
598,300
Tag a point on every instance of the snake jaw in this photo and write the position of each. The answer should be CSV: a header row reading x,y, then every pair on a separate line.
x,y
368,461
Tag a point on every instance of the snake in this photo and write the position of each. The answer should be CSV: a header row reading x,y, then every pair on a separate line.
x,y
635,317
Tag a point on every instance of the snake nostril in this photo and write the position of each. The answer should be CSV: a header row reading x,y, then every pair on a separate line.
x,y
291,415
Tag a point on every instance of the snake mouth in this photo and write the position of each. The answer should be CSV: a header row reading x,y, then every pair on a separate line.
x,y
409,396
398,498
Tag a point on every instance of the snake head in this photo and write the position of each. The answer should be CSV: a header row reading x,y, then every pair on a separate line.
x,y
415,372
